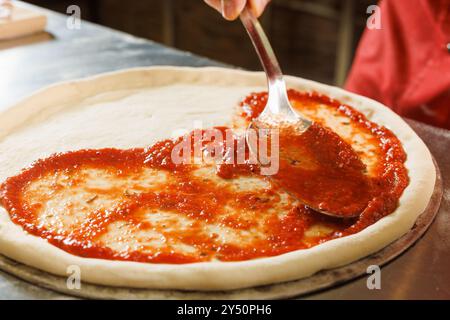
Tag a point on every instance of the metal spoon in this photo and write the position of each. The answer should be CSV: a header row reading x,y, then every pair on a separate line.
x,y
278,105
278,109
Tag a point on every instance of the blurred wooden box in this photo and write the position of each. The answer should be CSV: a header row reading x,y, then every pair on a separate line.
x,y
21,22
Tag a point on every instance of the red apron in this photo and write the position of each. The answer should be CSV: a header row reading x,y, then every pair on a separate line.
x,y
406,63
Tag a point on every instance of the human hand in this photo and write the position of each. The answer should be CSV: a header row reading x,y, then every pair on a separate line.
x,y
231,9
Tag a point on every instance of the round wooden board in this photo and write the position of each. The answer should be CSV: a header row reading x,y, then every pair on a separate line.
x,y
319,281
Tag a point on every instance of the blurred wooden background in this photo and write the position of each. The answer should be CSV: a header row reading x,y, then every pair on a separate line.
x,y
315,39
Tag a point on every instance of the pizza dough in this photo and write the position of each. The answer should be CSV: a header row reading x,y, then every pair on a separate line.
x,y
135,108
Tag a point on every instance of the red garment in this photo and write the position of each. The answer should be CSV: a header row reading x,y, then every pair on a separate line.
x,y
406,63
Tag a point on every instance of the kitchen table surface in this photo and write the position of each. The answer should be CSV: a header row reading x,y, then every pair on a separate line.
x,y
60,54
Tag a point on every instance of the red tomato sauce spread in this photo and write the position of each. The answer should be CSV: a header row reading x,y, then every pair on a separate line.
x,y
204,202
323,171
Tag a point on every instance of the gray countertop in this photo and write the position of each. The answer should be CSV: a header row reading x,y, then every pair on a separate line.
x,y
28,64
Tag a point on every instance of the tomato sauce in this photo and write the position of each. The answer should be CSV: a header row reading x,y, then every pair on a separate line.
x,y
323,171
203,201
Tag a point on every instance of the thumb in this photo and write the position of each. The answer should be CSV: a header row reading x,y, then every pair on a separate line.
x,y
232,8
258,6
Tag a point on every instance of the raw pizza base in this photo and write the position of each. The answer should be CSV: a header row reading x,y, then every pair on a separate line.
x,y
137,107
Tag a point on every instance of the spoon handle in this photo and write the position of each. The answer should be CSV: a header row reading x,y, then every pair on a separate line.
x,y
278,102
262,45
